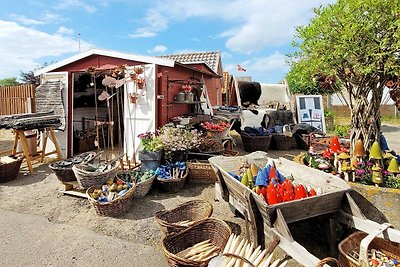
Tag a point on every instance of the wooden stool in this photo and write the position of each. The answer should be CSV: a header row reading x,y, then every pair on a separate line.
x,y
48,133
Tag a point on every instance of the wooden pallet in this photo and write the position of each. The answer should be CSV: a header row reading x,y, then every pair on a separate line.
x,y
73,189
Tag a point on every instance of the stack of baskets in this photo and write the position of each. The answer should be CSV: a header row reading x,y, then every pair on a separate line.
x,y
9,170
87,179
255,143
215,230
112,208
63,168
191,212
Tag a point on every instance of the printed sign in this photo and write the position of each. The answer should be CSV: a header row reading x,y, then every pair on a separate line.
x,y
310,110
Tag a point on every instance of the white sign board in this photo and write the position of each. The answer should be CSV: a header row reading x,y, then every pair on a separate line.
x,y
311,111
139,115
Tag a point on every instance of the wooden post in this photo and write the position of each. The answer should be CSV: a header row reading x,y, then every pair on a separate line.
x,y
25,149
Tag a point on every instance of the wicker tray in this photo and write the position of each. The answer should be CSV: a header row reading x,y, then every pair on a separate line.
x,y
215,230
88,179
172,185
354,242
112,208
9,171
200,171
256,143
67,174
192,211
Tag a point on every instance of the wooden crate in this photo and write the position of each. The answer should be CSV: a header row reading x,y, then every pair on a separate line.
x,y
333,187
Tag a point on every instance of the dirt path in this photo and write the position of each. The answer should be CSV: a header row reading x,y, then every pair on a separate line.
x,y
40,226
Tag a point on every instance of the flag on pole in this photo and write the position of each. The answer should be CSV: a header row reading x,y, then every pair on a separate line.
x,y
240,68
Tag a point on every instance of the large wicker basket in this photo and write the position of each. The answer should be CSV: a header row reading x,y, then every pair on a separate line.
x,y
143,188
172,185
282,142
87,179
66,174
9,171
215,230
200,171
256,143
192,211
352,243
113,208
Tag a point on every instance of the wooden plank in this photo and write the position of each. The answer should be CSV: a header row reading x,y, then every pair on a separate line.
x,y
72,189
281,226
366,225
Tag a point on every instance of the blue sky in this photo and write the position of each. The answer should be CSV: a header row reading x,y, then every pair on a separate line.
x,y
253,33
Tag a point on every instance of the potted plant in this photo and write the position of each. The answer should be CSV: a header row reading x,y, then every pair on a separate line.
x,y
177,141
152,149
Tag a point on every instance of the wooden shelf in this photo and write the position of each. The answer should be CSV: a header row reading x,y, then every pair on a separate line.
x,y
191,102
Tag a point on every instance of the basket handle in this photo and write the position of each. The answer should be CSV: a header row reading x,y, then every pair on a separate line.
x,y
363,260
328,259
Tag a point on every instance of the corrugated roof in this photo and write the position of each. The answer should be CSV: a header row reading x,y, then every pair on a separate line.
x,y
211,59
109,53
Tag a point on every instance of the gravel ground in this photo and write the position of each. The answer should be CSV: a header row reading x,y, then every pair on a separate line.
x,y
42,227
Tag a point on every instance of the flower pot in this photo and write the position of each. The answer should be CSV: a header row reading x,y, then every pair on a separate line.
x,y
150,159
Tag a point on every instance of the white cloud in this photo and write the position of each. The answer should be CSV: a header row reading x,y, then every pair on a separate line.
x,y
226,55
255,23
68,4
275,61
22,47
65,31
44,18
24,20
261,69
142,33
158,49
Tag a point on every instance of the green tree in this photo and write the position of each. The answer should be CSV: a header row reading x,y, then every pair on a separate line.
x,y
357,42
9,81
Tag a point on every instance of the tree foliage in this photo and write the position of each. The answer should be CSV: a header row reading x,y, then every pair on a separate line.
x,y
29,77
9,82
357,42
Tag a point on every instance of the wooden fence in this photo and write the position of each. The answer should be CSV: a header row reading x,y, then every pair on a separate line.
x,y
17,99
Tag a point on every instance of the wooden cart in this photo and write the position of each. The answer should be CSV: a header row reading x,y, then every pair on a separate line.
x,y
266,223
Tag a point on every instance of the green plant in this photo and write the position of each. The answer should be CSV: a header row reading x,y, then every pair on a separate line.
x,y
342,130
175,139
353,43
328,113
150,141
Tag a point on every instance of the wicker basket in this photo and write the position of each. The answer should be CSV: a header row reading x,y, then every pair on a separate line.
x,y
192,211
215,230
172,185
9,171
66,174
87,179
112,208
230,153
256,143
282,142
200,171
352,243
143,188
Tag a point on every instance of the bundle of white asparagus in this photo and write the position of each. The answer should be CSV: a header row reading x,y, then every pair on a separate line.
x,y
202,251
244,249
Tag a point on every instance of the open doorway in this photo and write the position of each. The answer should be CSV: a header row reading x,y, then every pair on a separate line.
x,y
97,114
